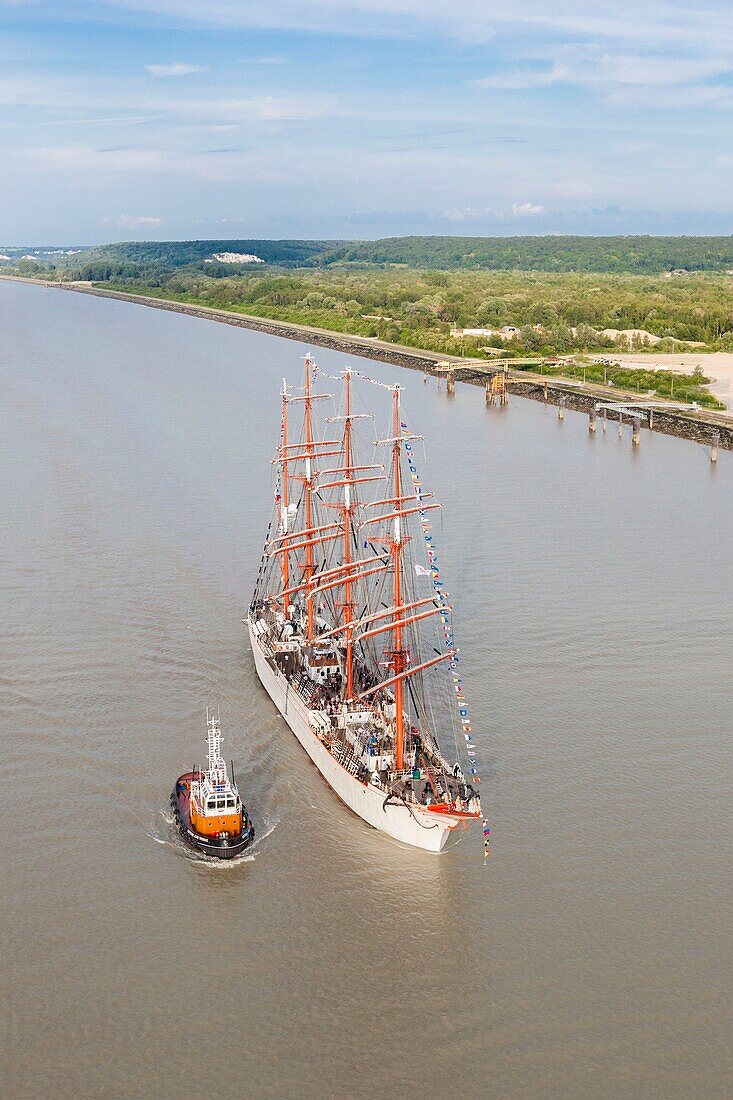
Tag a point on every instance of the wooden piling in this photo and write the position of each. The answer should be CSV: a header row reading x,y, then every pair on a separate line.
x,y
714,447
561,408
592,421
635,431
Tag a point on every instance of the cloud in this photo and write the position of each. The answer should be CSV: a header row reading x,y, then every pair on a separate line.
x,y
137,164
467,213
266,108
176,68
654,21
591,68
651,70
77,121
32,90
85,158
668,98
526,77
136,221
526,209
40,91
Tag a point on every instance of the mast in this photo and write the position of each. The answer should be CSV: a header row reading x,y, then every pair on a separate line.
x,y
308,495
398,654
284,517
217,768
348,477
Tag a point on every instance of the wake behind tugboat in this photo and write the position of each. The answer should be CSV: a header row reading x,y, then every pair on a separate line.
x,y
346,641
208,810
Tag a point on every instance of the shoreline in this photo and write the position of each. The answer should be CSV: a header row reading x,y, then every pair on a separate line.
x,y
697,427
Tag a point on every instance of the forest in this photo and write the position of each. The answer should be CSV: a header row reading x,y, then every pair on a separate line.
x,y
555,313
609,255
643,255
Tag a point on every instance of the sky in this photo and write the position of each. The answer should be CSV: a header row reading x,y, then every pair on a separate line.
x,y
180,119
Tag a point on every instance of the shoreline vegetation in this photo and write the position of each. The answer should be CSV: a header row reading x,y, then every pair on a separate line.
x,y
623,295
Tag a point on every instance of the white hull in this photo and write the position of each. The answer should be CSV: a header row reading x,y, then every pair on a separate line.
x,y
416,826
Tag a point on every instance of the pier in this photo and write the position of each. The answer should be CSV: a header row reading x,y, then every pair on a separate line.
x,y
704,426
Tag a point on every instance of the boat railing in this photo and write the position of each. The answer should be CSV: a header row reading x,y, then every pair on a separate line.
x,y
304,688
409,773
346,758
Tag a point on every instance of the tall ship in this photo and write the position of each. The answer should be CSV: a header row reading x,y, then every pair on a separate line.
x,y
350,630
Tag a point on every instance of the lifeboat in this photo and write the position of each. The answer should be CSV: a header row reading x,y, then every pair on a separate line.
x,y
209,812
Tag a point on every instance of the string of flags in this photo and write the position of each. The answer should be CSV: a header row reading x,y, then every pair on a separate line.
x,y
433,571
278,485
487,839
354,373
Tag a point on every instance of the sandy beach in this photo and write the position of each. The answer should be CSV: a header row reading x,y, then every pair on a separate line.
x,y
718,366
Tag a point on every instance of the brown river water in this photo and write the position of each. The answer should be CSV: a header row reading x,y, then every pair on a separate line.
x,y
590,957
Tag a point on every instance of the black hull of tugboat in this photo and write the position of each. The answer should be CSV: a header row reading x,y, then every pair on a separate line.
x,y
226,848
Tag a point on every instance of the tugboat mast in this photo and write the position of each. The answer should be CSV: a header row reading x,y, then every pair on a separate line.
x,y
217,772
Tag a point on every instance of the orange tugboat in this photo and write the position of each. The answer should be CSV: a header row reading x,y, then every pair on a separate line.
x,y
209,812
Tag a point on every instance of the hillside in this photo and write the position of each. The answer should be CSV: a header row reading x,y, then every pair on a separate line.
x,y
185,253
611,255
601,255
